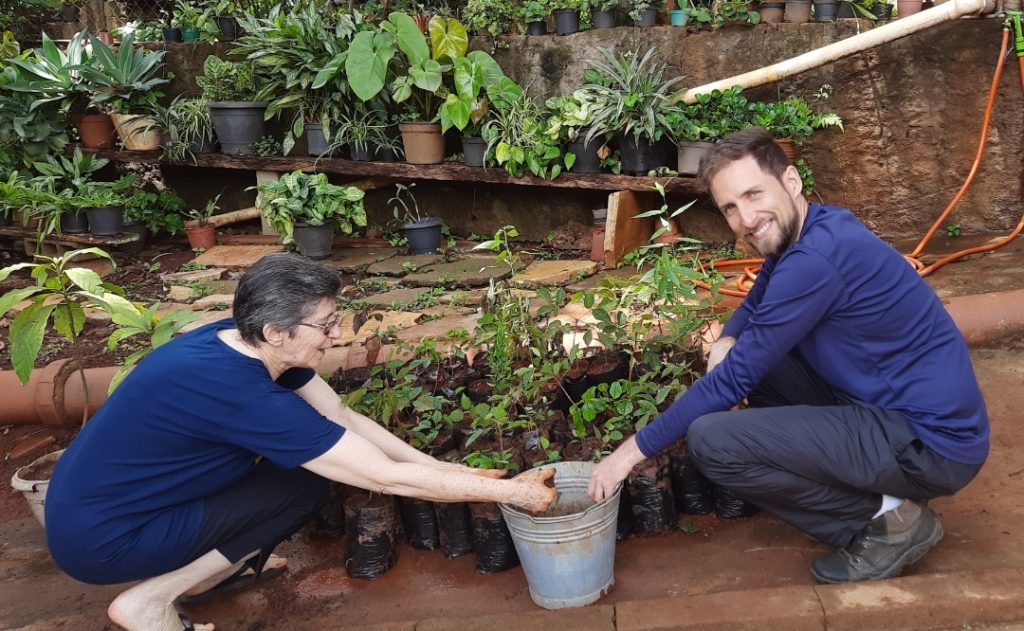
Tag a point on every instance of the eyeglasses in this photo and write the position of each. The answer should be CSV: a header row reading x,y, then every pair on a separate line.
x,y
325,328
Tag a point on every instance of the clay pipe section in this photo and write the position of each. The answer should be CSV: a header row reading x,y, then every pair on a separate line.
x,y
53,395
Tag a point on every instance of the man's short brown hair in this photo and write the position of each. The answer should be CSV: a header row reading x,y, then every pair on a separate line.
x,y
752,141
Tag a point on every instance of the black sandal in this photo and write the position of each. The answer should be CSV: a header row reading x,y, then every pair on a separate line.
x,y
237,581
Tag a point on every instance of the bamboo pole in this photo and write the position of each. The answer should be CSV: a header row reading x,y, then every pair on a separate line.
x,y
946,12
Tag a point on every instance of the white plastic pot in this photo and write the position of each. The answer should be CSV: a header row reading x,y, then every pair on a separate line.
x,y
32,487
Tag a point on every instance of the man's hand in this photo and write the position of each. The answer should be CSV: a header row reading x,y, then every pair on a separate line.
x,y
607,474
719,350
533,493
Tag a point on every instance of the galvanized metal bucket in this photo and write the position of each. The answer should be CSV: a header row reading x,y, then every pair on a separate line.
x,y
568,552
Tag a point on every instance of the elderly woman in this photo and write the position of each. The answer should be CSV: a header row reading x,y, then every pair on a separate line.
x,y
219,445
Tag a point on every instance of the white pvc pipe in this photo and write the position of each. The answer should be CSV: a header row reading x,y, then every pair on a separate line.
x,y
946,12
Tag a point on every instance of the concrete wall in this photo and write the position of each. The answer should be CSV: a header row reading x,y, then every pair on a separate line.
x,y
912,112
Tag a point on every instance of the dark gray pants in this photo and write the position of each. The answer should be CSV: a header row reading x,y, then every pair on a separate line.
x,y
817,458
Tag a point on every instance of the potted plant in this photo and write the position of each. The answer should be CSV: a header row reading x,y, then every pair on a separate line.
x,y
631,95
602,13
569,122
567,15
190,126
417,71
68,175
363,130
489,17
104,204
201,232
301,54
666,231
232,93
643,12
189,19
681,14
793,120
124,83
69,10
51,77
515,134
422,232
307,209
737,12
534,14
467,106
147,213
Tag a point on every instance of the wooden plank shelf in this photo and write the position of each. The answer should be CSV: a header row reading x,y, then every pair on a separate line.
x,y
403,170
84,238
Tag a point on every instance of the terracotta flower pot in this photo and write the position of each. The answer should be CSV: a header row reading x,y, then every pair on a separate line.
x,y
204,237
907,8
424,143
96,131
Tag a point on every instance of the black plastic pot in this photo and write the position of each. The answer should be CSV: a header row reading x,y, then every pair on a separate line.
x,y
106,221
474,150
882,11
69,13
361,154
316,143
603,19
385,154
133,248
846,10
314,241
826,11
6,219
208,145
228,28
639,155
172,34
587,160
424,237
74,223
567,21
647,18
238,124
536,28
370,524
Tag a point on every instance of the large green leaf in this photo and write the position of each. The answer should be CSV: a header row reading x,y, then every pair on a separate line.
x,y
454,113
448,37
367,63
15,296
69,319
427,76
491,70
410,39
85,278
26,335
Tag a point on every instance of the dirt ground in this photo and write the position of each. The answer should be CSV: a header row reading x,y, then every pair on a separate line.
x,y
983,532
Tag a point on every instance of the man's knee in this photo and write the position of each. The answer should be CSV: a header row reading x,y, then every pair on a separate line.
x,y
706,440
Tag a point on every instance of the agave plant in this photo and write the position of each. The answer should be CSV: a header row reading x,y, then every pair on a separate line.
x,y
125,80
51,74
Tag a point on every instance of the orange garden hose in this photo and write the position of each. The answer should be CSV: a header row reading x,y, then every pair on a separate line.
x,y
746,280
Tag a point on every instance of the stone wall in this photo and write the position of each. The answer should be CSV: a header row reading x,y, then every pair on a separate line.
x,y
912,111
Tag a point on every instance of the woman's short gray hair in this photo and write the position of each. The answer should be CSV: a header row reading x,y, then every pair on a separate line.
x,y
281,290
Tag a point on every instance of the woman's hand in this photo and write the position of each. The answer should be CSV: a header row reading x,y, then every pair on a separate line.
x,y
533,493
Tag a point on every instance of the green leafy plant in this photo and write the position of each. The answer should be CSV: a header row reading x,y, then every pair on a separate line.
x,y
663,215
631,95
134,320
404,206
794,117
637,7
59,297
159,211
229,80
495,17
201,216
266,146
301,52
736,12
714,115
466,107
299,197
516,134
533,11
953,230
570,114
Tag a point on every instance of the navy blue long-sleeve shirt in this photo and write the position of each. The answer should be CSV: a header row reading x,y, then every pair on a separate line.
x,y
865,321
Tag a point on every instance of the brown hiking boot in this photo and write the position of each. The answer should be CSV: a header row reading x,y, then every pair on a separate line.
x,y
887,544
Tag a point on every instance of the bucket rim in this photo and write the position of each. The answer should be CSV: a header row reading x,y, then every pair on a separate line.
x,y
25,485
596,506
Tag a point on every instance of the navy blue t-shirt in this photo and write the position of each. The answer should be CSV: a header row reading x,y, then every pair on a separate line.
x,y
125,500
865,321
